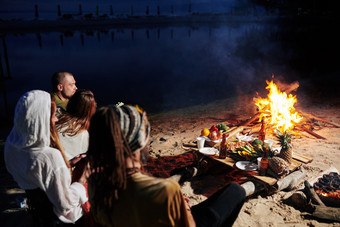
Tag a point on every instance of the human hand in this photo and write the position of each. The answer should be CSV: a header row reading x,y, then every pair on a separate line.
x,y
187,205
191,219
86,173
76,159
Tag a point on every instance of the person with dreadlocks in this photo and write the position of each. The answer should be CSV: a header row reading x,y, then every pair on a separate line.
x,y
41,170
121,194
73,124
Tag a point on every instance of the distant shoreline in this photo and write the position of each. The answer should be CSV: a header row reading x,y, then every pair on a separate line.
x,y
26,26
12,26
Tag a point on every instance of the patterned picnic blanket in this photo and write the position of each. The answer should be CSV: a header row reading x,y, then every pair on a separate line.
x,y
164,167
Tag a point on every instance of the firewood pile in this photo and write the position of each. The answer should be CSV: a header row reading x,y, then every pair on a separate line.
x,y
310,124
321,196
308,199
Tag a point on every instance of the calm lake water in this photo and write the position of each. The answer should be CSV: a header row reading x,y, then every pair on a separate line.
x,y
163,68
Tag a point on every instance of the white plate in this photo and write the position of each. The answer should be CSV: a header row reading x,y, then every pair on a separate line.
x,y
246,165
209,151
244,137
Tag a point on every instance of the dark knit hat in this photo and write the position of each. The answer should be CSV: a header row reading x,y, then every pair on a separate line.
x,y
134,125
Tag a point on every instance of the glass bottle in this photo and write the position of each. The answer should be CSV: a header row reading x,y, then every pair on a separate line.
x,y
264,162
262,133
223,147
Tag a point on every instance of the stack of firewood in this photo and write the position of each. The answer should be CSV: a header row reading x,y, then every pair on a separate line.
x,y
309,124
308,200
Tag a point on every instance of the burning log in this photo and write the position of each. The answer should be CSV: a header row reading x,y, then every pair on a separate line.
x,y
313,117
288,88
234,132
252,119
299,127
303,128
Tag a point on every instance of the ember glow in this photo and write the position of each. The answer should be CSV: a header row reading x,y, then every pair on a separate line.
x,y
322,193
328,186
278,108
334,195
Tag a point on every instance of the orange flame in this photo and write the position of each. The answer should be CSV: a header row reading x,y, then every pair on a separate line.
x,y
278,108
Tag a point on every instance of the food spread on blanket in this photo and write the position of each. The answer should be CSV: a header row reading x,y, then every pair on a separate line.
x,y
246,147
248,151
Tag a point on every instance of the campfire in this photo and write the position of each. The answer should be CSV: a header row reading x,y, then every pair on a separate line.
x,y
280,114
243,142
278,109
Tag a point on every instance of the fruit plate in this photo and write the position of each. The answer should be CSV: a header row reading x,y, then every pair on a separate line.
x,y
246,165
209,151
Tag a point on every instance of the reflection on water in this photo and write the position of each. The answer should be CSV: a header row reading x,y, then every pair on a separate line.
x,y
26,10
160,68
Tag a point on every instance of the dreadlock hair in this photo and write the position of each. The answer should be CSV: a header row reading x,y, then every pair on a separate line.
x,y
80,109
108,150
54,137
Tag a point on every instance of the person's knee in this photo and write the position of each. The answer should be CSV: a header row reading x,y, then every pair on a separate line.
x,y
237,190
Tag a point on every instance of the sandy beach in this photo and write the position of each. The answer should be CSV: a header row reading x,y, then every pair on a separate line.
x,y
299,48
172,129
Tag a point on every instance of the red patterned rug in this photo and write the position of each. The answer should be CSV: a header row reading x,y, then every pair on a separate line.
x,y
217,173
165,165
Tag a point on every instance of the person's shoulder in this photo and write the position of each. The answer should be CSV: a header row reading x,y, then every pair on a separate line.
x,y
165,184
170,185
50,156
54,94
167,189
83,133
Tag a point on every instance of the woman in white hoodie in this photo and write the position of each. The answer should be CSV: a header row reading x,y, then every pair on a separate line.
x,y
37,167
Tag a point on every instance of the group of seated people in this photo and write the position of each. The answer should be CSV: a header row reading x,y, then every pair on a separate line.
x,y
81,165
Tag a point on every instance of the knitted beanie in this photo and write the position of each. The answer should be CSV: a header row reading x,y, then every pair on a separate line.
x,y
134,125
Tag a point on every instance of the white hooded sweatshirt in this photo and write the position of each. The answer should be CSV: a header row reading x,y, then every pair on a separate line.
x,y
33,164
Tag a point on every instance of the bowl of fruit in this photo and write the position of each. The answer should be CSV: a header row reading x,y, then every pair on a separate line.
x,y
214,134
